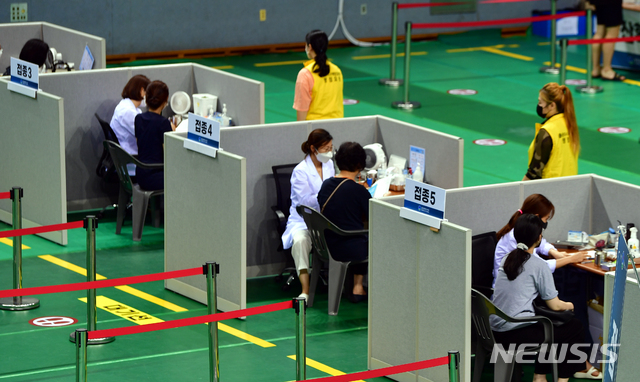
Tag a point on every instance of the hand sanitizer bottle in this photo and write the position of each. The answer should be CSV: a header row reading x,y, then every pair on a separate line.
x,y
225,118
417,175
633,242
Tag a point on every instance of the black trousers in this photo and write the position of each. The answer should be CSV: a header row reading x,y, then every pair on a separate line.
x,y
569,333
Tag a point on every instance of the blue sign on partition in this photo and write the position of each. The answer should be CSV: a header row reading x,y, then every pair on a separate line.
x,y
423,203
24,73
617,304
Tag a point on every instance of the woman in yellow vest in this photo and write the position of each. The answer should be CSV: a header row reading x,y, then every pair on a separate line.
x,y
319,84
556,146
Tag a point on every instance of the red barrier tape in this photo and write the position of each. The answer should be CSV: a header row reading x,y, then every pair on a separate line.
x,y
498,22
603,40
190,321
100,283
42,229
387,370
5,195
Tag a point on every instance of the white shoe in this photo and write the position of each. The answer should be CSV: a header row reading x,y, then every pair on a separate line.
x,y
304,295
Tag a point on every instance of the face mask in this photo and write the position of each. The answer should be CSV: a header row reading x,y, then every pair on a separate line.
x,y
324,157
144,102
540,113
42,69
544,225
1,52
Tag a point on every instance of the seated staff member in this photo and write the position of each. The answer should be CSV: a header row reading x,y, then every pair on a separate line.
x,y
34,51
319,84
521,278
125,113
306,180
150,127
346,203
540,206
555,148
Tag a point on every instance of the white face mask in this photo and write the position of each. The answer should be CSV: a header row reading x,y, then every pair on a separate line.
x,y
324,157
42,69
1,52
143,103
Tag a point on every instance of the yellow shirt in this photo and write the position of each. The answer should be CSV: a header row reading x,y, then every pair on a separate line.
x,y
563,161
326,93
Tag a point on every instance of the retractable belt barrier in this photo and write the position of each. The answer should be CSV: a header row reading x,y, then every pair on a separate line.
x,y
5,195
393,81
406,104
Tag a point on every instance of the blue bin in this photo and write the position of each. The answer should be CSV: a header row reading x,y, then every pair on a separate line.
x,y
543,28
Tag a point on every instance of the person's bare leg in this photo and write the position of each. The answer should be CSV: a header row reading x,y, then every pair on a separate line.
x,y
304,280
596,50
607,53
357,285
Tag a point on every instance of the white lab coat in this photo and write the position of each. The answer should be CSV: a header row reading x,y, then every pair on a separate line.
x,y
122,124
305,185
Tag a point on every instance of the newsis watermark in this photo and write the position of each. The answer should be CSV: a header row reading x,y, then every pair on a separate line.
x,y
581,353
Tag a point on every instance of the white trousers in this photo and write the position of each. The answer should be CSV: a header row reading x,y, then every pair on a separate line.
x,y
300,249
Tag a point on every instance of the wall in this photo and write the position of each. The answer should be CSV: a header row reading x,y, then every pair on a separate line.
x,y
203,24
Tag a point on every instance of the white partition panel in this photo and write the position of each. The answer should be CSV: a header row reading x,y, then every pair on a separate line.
x,y
71,44
614,201
32,157
419,293
13,37
198,223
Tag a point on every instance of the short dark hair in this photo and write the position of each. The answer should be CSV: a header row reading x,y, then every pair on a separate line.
x,y
351,157
157,94
35,51
132,88
317,138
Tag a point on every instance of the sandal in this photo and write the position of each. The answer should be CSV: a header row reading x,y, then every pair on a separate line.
x,y
588,374
616,77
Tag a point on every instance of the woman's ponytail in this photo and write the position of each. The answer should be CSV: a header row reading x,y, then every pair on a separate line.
x,y
319,42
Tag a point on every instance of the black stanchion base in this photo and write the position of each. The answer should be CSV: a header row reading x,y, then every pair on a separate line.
x,y
550,70
92,341
390,82
405,105
589,89
23,303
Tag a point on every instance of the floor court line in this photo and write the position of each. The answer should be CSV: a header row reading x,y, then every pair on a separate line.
x,y
322,367
376,56
9,242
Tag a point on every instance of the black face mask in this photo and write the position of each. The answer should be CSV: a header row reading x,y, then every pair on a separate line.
x,y
540,113
544,225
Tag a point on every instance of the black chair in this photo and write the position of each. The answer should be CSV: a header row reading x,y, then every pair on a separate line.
x,y
483,247
282,178
106,168
481,309
128,189
317,224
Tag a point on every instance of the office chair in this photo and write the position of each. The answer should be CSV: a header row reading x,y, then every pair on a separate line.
x,y
483,248
481,309
317,224
140,198
282,178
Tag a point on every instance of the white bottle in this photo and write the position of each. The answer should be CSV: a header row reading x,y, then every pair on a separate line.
x,y
225,118
417,174
633,242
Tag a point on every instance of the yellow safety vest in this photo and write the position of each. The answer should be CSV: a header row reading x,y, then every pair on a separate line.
x,y
326,95
563,161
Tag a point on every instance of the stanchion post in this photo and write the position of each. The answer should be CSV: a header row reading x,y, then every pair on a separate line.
x,y
81,355
392,81
300,306
563,61
454,366
589,88
552,69
90,223
17,302
406,104
211,270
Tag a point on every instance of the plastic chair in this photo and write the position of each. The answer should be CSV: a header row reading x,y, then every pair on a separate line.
x,y
282,177
483,248
140,197
317,224
481,309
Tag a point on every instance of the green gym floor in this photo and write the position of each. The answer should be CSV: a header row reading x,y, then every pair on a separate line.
x,y
505,74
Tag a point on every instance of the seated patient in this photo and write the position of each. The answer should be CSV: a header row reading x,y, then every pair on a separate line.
x,y
125,113
346,203
150,127
34,51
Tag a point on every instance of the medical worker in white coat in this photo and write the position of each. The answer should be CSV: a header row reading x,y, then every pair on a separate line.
x,y
306,180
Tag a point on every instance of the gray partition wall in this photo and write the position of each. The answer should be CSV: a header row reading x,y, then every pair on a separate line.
x,y
32,157
196,226
419,293
70,43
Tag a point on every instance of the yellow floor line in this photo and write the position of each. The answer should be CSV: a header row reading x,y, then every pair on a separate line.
x,y
124,311
9,242
223,67
158,301
373,57
322,367
544,43
632,82
508,54
461,50
569,67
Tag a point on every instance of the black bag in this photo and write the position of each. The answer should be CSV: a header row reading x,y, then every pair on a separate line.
x,y
557,317
106,168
